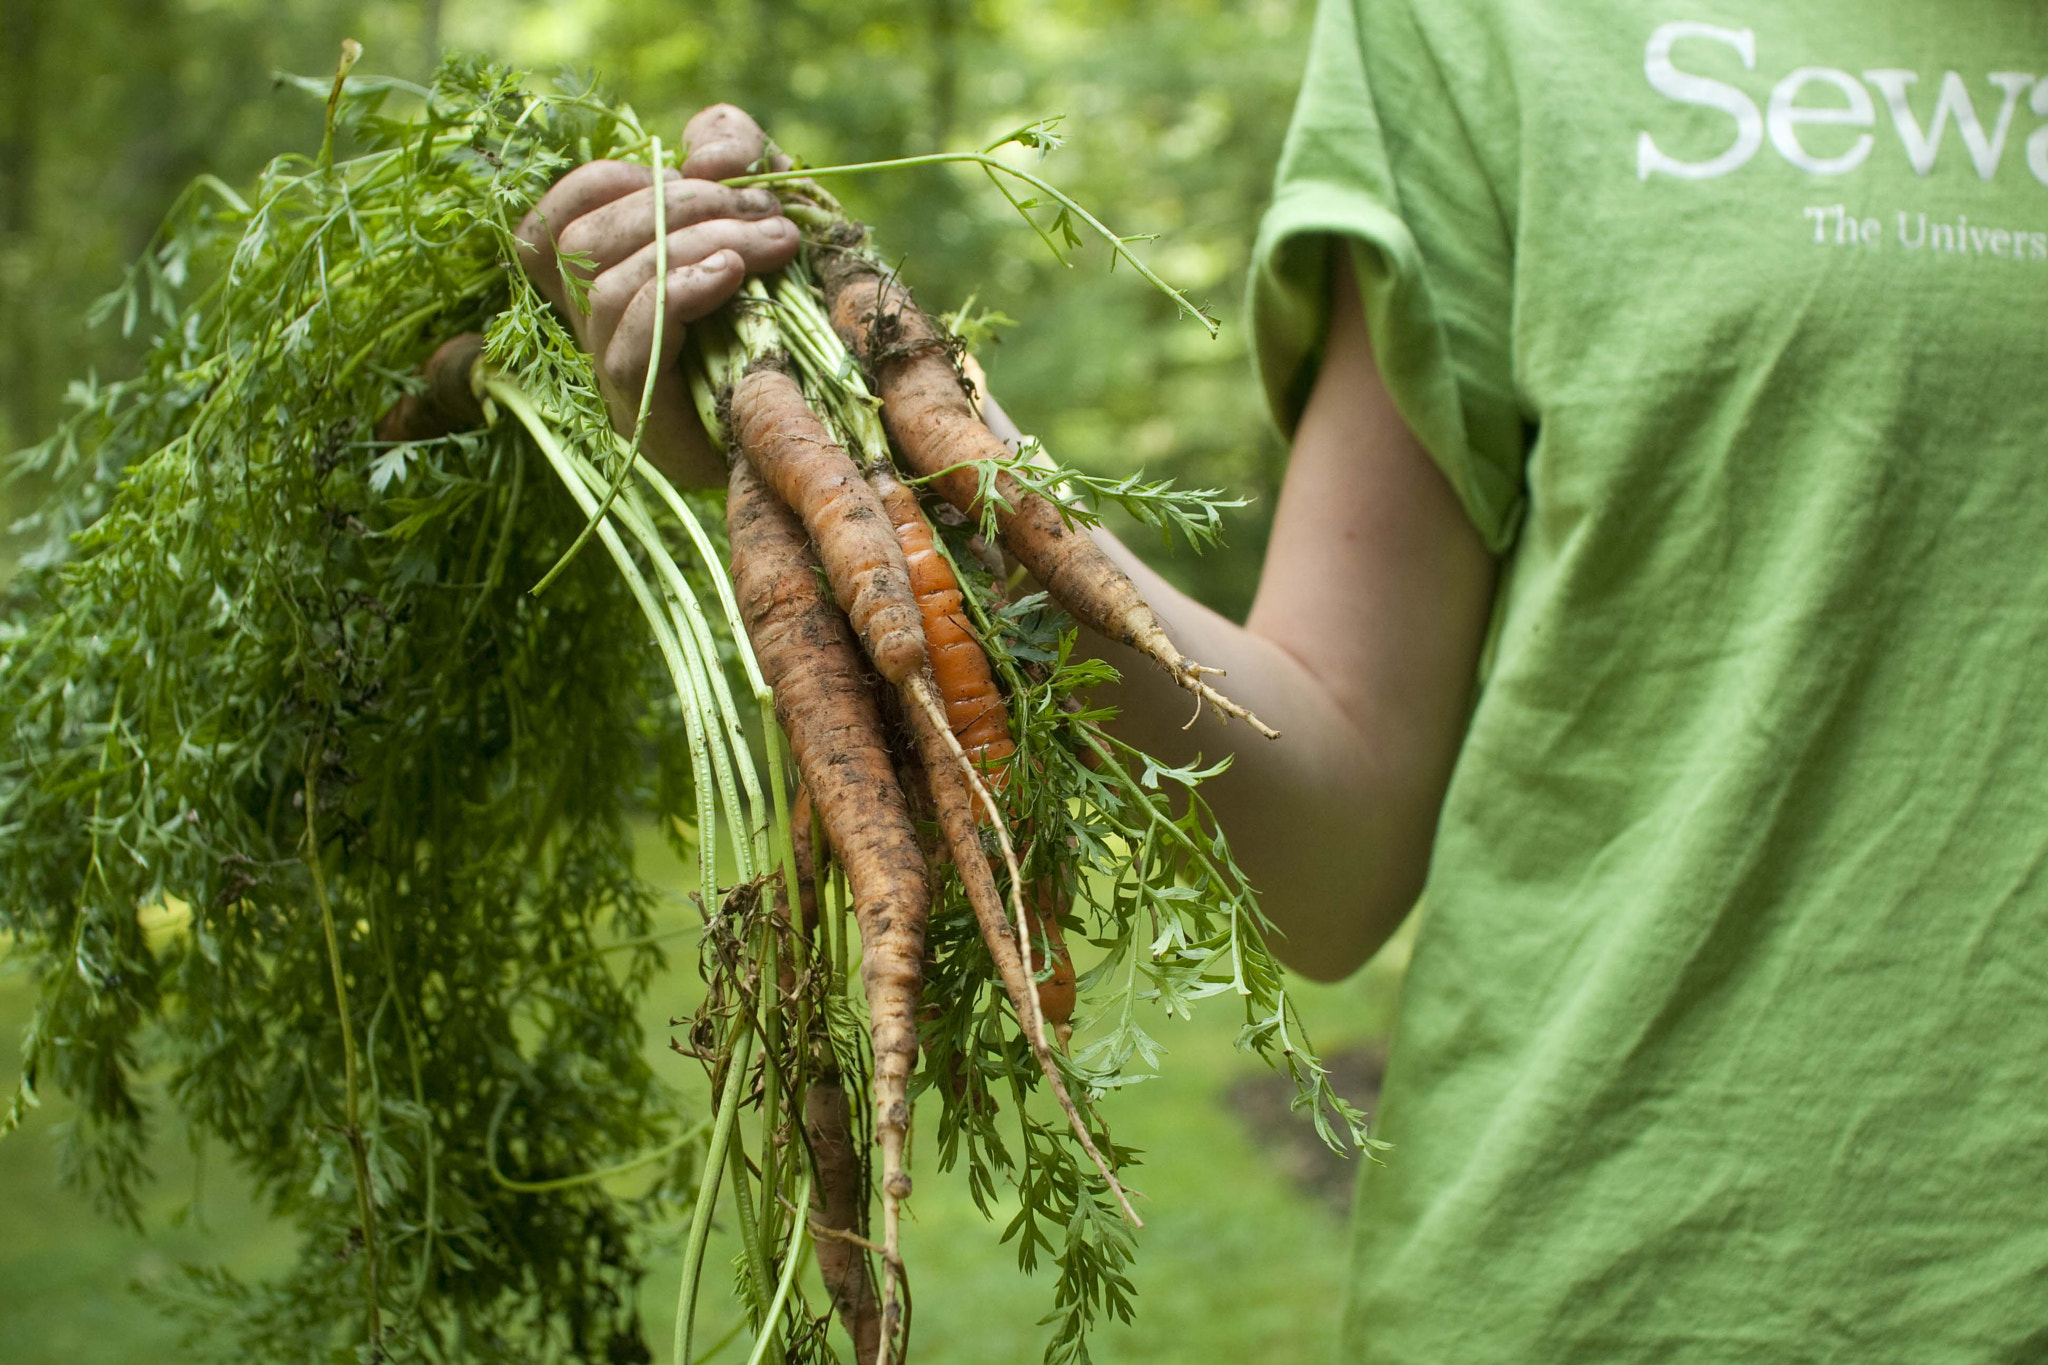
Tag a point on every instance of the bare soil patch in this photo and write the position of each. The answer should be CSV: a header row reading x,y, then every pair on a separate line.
x,y
1263,1104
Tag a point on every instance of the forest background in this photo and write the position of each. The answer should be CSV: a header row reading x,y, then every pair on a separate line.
x,y
1174,111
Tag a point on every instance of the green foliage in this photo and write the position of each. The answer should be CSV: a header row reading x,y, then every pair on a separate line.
x,y
107,110
243,602
1195,515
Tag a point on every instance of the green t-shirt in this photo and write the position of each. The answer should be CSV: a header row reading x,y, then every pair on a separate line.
x,y
1726,1033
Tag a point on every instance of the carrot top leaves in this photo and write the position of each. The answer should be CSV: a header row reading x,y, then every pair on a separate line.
x,y
264,674
1195,514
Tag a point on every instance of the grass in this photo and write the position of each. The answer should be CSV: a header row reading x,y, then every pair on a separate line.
x,y
1235,1261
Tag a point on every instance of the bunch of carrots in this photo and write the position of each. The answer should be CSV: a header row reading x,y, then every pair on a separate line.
x,y
887,698
798,501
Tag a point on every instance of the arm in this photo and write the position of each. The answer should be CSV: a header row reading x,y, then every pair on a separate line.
x,y
1361,648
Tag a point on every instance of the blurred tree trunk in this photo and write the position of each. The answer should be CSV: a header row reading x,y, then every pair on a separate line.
x,y
766,77
156,159
21,32
945,69
22,25
430,36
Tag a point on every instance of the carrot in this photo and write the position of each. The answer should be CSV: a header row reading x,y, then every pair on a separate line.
x,y
928,415
967,686
975,710
954,803
838,1200
807,863
809,658
797,456
955,786
839,1193
795,453
1046,901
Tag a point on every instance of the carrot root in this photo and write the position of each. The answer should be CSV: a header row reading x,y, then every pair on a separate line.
x,y
840,1194
934,425
808,657
1056,989
957,787
796,454
953,796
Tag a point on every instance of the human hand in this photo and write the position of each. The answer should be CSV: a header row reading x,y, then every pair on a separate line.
x,y
597,225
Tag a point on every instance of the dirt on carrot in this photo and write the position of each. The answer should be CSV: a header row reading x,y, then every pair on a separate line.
x,y
797,456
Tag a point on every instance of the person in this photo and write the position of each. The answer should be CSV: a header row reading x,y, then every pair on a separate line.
x,y
1658,581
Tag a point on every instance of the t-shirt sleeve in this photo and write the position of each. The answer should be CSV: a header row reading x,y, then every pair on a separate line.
x,y
1381,153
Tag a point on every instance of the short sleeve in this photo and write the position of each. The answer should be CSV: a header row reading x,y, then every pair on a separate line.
x,y
1382,153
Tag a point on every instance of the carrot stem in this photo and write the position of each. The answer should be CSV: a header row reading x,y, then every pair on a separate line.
x,y
515,400
1117,245
707,1188
750,1228
693,635
792,1260
366,1208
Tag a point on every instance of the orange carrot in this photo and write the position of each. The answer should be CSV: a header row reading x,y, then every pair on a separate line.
x,y
797,456
954,800
809,658
1045,902
795,453
967,686
928,415
980,720
954,803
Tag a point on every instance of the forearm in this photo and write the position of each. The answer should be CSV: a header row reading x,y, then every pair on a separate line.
x,y
1315,819
1333,833
1361,648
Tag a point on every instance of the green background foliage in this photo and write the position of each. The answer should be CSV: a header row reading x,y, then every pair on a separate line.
x,y
1174,113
